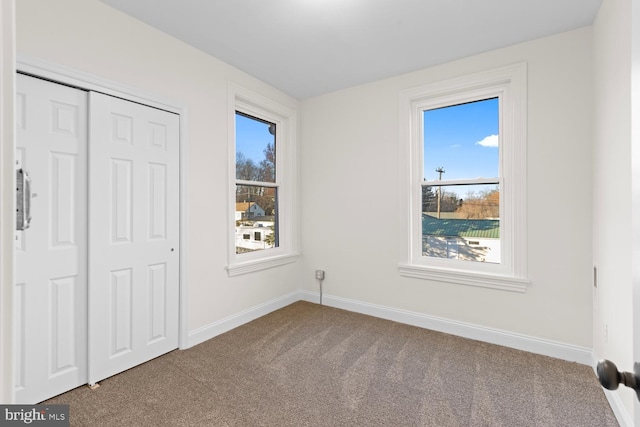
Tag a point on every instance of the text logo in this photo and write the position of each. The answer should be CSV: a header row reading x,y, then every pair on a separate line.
x,y
34,415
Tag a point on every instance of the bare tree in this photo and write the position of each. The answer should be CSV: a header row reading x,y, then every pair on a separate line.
x,y
483,206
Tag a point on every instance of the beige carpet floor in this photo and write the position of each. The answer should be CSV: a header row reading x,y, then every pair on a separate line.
x,y
312,365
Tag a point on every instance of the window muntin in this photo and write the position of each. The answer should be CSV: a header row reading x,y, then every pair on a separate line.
x,y
461,143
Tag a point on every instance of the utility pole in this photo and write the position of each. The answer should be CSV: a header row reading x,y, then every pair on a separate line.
x,y
440,171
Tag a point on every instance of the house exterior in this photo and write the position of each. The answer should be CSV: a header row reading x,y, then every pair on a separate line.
x,y
465,239
251,234
248,210
254,236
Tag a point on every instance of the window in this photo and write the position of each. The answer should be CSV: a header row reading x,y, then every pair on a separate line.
x,y
464,138
262,169
463,145
256,184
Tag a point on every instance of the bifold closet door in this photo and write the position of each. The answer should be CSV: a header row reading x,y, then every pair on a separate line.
x,y
51,256
133,234
97,272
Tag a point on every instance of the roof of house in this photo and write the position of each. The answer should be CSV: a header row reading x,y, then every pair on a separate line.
x,y
244,206
478,228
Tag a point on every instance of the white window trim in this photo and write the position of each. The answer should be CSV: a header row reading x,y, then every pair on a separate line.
x,y
285,118
510,84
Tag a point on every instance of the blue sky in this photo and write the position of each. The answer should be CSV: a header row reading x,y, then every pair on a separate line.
x,y
252,137
463,140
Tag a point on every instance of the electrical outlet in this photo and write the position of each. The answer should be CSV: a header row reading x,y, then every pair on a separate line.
x,y
320,274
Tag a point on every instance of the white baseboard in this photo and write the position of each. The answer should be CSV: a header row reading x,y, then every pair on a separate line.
x,y
555,349
618,408
211,330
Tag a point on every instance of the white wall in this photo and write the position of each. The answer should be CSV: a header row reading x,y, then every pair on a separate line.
x,y
612,211
91,37
349,164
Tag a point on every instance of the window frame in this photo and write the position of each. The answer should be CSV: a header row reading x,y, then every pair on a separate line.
x,y
285,118
510,85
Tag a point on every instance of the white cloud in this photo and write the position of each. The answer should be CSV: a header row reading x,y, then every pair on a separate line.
x,y
489,141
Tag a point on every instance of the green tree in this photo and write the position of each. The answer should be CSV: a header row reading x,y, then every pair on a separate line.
x,y
270,239
429,199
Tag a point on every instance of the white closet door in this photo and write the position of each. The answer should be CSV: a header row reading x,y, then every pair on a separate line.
x,y
133,234
51,256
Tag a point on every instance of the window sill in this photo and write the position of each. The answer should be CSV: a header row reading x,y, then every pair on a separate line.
x,y
483,280
260,264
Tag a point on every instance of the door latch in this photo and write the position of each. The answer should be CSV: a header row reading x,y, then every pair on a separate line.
x,y
23,199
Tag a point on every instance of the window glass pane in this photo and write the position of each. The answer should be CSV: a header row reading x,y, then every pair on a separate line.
x,y
255,149
462,141
256,216
461,222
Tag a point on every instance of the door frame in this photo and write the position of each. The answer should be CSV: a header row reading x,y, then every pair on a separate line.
x,y
635,193
85,81
7,197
